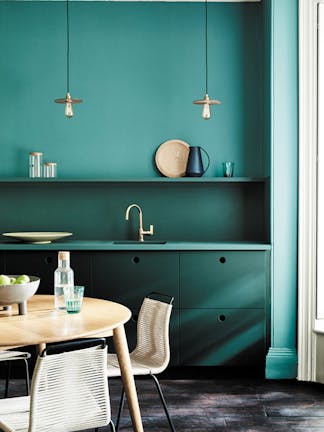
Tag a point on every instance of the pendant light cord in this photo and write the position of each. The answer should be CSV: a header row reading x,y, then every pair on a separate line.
x,y
206,43
67,47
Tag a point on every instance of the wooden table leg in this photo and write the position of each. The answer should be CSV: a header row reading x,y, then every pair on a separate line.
x,y
121,347
40,347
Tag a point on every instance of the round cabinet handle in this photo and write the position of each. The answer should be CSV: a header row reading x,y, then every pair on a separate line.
x,y
221,318
49,260
222,260
135,259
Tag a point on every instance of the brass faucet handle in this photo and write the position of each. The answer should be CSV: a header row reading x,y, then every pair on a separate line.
x,y
150,232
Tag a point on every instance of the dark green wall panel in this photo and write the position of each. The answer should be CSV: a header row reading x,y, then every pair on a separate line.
x,y
195,212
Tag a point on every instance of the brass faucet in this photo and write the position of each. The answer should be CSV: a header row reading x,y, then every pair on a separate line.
x,y
141,231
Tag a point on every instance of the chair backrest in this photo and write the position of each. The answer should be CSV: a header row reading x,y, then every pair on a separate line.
x,y
69,391
153,334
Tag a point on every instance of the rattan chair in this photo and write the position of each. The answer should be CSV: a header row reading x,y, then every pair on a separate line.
x,y
8,357
69,391
151,355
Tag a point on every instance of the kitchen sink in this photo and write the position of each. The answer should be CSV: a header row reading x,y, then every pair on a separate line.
x,y
121,242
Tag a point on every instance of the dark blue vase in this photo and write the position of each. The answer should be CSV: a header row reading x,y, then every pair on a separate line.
x,y
195,167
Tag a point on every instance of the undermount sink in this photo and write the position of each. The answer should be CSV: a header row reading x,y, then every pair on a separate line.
x,y
121,242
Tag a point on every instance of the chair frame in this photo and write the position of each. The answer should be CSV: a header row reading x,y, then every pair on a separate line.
x,y
16,356
153,376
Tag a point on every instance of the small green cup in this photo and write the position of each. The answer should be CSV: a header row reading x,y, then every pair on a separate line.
x,y
73,297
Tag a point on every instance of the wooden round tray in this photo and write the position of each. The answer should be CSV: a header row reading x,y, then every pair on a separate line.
x,y
171,158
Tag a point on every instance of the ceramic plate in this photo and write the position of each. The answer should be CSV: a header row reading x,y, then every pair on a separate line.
x,y
37,237
171,158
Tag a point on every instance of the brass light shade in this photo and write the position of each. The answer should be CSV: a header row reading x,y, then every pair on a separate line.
x,y
68,100
206,102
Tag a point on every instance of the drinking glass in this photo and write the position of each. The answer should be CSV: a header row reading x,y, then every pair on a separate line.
x,y
73,297
228,169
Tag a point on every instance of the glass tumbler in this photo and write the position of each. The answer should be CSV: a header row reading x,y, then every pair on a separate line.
x,y
228,169
73,297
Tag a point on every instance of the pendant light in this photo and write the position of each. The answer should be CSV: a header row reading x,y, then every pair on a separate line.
x,y
68,100
206,102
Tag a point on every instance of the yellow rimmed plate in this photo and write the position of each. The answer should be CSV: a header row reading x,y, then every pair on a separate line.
x,y
41,237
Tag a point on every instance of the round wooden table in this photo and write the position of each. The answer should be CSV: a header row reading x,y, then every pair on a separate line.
x,y
43,324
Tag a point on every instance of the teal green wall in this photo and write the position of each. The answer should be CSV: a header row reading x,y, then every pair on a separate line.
x,y
283,56
138,67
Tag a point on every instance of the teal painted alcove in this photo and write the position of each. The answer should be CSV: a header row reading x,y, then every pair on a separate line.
x,y
138,67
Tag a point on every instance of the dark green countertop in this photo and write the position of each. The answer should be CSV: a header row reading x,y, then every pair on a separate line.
x,y
109,245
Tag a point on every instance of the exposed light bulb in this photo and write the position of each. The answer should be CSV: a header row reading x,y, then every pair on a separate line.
x,y
206,111
68,110
68,101
206,102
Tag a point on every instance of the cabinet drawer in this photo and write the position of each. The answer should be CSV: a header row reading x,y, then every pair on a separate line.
x,y
224,279
222,337
126,277
2,263
43,265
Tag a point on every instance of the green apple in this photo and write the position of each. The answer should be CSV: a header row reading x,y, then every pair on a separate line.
x,y
22,279
12,280
4,280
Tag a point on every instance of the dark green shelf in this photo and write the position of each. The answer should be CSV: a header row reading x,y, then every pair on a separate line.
x,y
138,180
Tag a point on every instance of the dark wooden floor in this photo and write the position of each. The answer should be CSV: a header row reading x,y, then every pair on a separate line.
x,y
223,404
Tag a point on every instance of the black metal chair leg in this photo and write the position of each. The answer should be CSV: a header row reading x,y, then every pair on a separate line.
x,y
120,409
7,378
8,375
27,376
163,402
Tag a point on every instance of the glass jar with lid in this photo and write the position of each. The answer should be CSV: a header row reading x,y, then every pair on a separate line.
x,y
35,164
50,169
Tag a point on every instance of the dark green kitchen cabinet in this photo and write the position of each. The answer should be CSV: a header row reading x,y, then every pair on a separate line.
x,y
44,263
224,314
223,279
2,263
219,337
126,277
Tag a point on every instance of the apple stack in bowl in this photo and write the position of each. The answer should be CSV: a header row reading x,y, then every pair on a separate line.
x,y
10,280
17,289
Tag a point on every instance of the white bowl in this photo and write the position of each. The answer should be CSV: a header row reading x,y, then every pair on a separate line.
x,y
18,293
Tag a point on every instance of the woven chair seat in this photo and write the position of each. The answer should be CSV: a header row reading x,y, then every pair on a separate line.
x,y
140,365
69,393
17,404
